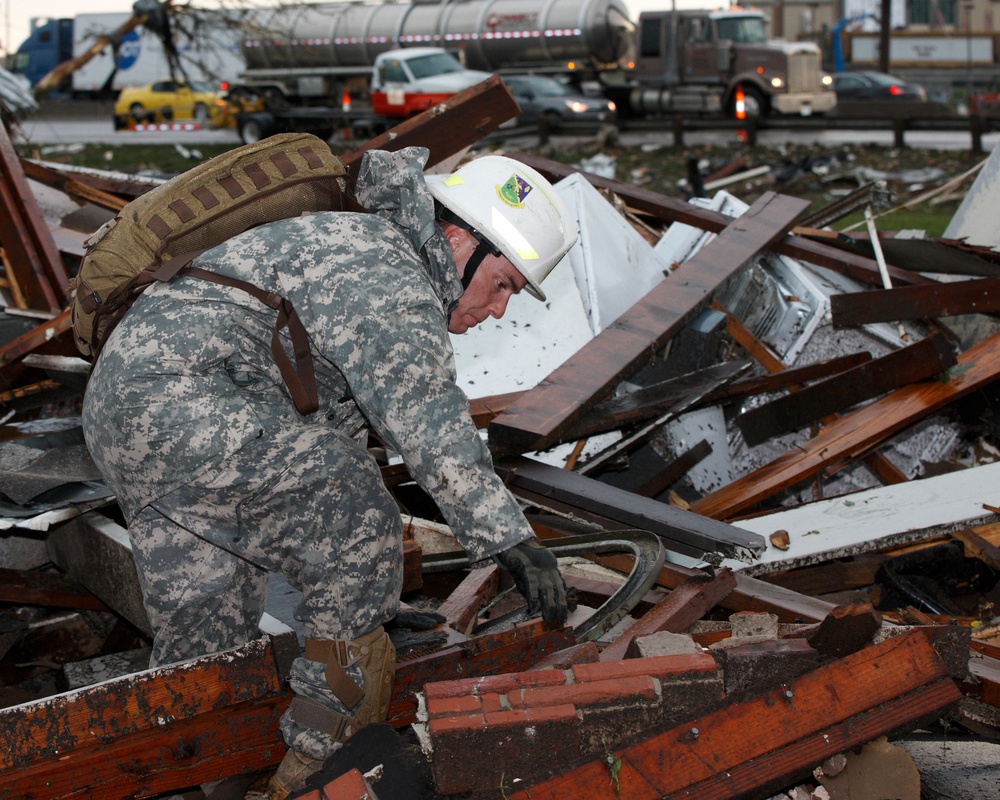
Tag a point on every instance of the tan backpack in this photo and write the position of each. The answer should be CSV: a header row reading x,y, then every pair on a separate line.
x,y
159,234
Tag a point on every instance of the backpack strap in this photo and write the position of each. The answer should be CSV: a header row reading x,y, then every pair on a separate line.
x,y
300,377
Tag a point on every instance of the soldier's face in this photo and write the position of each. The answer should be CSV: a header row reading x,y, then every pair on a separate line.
x,y
494,283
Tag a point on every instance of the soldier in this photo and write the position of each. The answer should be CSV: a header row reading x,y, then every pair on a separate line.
x,y
221,480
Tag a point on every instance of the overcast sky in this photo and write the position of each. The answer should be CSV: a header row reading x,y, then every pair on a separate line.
x,y
15,24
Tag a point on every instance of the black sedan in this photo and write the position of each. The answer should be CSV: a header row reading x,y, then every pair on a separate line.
x,y
876,86
541,97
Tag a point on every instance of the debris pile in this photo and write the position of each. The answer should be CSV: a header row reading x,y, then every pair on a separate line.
x,y
763,454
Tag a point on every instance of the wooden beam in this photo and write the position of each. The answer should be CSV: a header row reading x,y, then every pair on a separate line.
x,y
888,687
680,530
672,209
448,127
51,589
462,606
979,296
35,338
856,433
25,236
71,186
537,420
675,470
152,732
683,607
917,362
787,378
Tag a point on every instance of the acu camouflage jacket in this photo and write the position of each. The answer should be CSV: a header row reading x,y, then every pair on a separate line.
x,y
188,375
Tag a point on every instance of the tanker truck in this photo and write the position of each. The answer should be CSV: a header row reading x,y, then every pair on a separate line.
x,y
321,56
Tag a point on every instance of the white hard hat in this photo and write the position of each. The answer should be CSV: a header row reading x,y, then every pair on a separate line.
x,y
514,208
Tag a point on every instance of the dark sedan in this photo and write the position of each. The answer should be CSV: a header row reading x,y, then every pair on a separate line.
x,y
541,97
875,86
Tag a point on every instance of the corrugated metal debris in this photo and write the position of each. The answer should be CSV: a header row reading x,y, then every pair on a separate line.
x,y
765,460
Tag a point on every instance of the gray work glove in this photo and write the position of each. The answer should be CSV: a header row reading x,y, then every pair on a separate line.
x,y
536,575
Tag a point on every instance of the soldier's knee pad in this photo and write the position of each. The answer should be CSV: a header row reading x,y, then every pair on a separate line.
x,y
375,657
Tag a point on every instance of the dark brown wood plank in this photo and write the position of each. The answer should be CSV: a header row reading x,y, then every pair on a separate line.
x,y
856,433
446,128
979,296
26,587
25,236
675,470
537,420
476,590
673,209
916,362
786,378
683,607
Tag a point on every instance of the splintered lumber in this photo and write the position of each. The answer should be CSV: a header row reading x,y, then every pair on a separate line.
x,y
976,296
787,378
683,607
475,591
537,420
71,186
918,361
679,530
756,747
151,732
854,434
31,251
672,209
448,127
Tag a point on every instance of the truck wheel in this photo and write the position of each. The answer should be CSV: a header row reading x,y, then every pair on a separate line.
x,y
754,102
254,127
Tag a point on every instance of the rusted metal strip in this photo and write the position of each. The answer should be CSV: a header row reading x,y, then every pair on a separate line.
x,y
857,433
919,361
446,128
978,296
32,253
545,413
672,209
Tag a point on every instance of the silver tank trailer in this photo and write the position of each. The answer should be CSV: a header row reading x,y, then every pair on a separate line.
x,y
489,35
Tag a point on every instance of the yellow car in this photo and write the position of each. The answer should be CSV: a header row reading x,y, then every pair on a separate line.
x,y
167,101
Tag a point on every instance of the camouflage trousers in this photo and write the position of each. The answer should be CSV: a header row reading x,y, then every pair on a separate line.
x,y
308,503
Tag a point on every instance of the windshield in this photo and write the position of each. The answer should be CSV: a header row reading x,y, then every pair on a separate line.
x,y
546,87
433,64
203,86
742,29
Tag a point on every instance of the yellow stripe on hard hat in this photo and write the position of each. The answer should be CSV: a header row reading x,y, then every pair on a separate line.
x,y
453,180
514,238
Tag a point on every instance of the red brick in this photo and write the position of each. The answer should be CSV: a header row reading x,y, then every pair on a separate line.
x,y
663,667
464,722
491,703
592,693
500,684
450,706
349,786
531,716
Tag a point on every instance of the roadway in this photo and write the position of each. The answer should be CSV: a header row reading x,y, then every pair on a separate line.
x,y
69,123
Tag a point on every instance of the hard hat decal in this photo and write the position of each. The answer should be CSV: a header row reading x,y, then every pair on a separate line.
x,y
514,191
454,180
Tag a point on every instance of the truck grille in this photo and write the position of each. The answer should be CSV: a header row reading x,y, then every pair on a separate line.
x,y
803,72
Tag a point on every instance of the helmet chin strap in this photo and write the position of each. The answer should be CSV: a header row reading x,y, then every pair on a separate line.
x,y
482,250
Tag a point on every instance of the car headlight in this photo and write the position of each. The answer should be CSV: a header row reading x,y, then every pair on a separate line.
x,y
612,106
828,80
576,106
776,83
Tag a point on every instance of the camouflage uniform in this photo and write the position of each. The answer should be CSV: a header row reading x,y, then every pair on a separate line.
x,y
221,479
